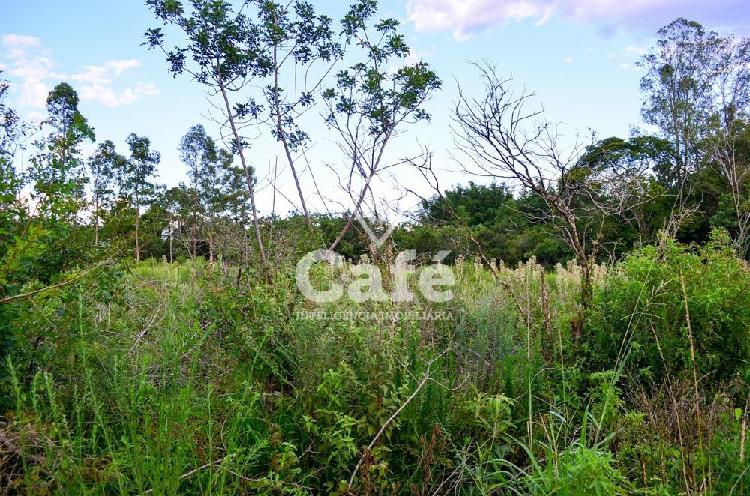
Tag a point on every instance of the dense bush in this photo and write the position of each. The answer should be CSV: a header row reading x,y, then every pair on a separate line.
x,y
662,302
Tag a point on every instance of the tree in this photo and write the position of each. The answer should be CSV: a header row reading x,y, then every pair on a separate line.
x,y
103,165
642,203
729,131
696,92
203,158
676,89
298,38
505,139
373,100
236,207
57,168
11,132
136,175
222,51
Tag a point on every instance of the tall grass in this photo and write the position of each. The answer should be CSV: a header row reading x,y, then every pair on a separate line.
x,y
180,379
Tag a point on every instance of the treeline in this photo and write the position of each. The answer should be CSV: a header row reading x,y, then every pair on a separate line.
x,y
533,196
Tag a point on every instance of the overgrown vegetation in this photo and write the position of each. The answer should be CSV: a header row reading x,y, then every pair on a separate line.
x,y
596,339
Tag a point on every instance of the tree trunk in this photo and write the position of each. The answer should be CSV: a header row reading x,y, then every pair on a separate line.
x,y
248,176
284,141
96,222
171,252
137,235
193,235
586,295
137,226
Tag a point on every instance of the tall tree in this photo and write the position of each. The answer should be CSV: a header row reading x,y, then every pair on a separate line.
x,y
222,51
11,132
103,165
58,167
696,92
198,152
298,39
206,163
137,174
729,130
676,89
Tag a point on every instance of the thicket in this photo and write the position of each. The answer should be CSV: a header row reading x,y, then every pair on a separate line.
x,y
175,379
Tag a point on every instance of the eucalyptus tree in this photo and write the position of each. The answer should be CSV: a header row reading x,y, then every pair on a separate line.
x,y
374,99
298,39
103,165
198,152
676,89
221,50
176,203
136,179
697,93
57,170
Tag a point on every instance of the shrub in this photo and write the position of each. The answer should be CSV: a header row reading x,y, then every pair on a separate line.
x,y
659,300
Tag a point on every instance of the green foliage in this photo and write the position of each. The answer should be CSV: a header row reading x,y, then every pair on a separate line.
x,y
579,471
640,321
207,377
174,378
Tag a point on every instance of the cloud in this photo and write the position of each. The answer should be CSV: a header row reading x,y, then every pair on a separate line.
x,y
31,69
466,17
108,97
27,62
635,50
97,82
102,74
18,44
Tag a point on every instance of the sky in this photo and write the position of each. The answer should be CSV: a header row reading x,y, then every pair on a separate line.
x,y
577,56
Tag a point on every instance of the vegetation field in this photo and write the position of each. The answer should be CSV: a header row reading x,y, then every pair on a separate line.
x,y
571,320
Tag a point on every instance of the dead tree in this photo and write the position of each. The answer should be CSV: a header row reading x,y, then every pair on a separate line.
x,y
504,136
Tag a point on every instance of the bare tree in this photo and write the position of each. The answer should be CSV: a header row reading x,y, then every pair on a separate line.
x,y
504,136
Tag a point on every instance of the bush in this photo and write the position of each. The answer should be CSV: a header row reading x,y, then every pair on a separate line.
x,y
643,317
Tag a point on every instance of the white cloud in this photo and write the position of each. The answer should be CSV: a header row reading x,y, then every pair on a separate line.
x,y
568,60
103,74
18,44
29,64
105,95
466,17
97,82
31,69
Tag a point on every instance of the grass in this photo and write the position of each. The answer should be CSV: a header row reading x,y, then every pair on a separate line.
x,y
175,380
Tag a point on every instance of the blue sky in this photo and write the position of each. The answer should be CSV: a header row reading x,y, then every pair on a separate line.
x,y
577,55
